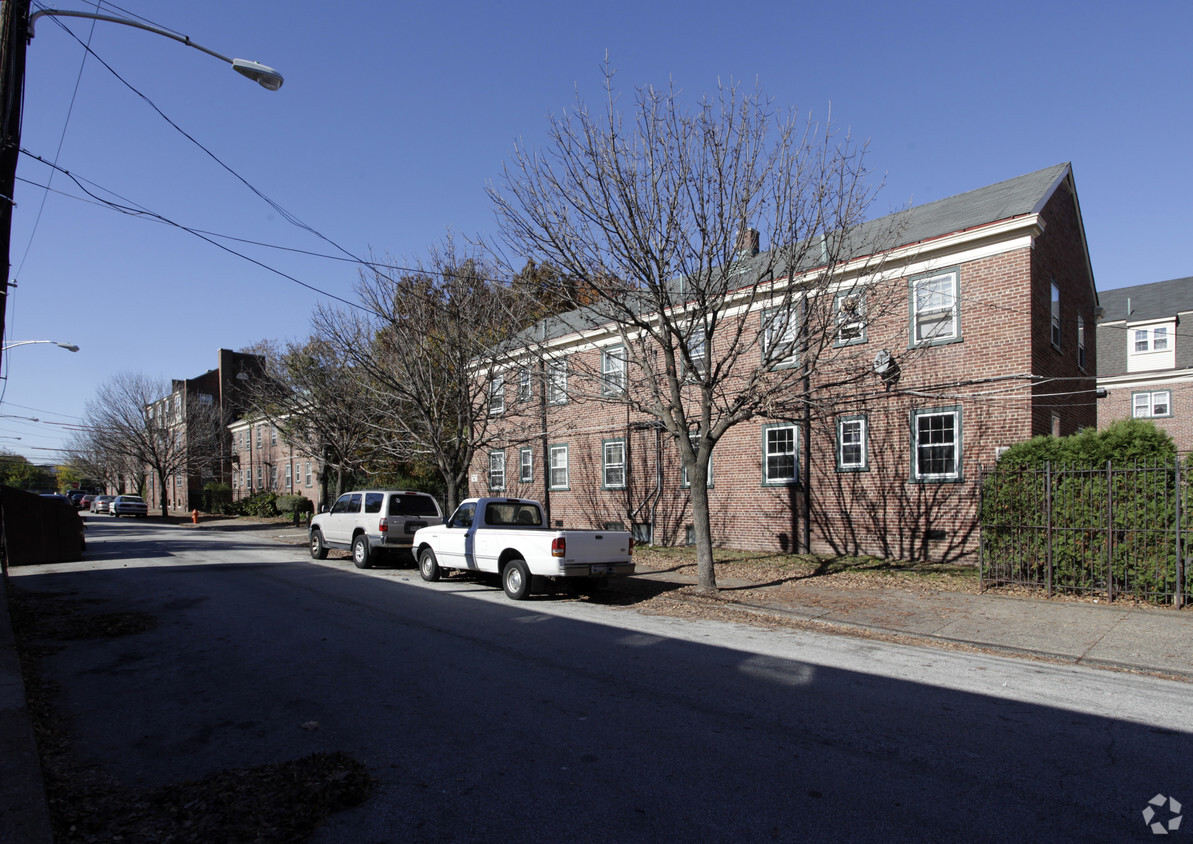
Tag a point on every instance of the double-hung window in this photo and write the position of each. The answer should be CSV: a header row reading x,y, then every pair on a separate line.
x,y
558,457
526,465
1145,405
697,348
613,464
557,382
936,442
849,309
852,445
780,336
496,470
935,313
524,384
497,395
780,444
613,370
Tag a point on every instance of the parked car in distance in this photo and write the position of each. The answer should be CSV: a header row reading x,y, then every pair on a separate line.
x,y
369,521
100,503
85,501
76,498
128,505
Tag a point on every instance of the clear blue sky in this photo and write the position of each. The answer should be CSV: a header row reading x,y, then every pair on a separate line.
x,y
394,115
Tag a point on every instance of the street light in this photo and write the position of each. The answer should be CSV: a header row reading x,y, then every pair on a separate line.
x,y
70,347
264,76
16,29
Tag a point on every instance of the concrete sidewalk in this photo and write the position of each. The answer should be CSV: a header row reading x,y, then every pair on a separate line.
x,y
1122,636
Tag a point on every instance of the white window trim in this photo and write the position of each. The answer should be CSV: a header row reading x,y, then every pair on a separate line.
x,y
767,480
917,446
557,382
613,370
843,323
555,465
863,441
1150,403
497,395
496,470
789,337
614,465
953,309
526,465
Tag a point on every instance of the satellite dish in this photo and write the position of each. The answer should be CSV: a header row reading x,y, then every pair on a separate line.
x,y
887,368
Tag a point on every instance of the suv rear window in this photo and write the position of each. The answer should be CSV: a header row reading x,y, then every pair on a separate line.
x,y
412,505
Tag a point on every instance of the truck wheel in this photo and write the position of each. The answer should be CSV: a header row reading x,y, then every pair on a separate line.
x,y
318,549
360,552
428,566
516,579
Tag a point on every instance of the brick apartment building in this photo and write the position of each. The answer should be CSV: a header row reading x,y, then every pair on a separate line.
x,y
994,345
1145,369
220,388
263,461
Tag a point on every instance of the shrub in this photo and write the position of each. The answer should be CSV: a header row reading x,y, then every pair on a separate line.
x,y
1102,503
218,497
262,505
288,503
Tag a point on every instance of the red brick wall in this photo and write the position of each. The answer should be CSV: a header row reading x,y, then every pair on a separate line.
x,y
1118,405
1005,337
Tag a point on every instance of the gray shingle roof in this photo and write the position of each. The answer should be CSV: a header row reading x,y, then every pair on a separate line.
x,y
1012,198
1148,301
1015,197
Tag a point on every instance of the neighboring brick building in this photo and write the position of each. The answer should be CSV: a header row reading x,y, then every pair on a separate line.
x,y
263,461
217,387
995,345
1145,369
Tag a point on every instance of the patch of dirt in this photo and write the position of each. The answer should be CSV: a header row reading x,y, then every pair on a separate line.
x,y
267,804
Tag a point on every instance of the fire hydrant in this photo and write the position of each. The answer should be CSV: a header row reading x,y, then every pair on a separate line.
x,y
194,517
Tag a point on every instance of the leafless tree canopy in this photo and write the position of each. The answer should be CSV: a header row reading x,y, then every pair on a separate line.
x,y
136,421
425,348
652,212
310,392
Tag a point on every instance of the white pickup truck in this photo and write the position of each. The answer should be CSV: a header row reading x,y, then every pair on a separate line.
x,y
506,536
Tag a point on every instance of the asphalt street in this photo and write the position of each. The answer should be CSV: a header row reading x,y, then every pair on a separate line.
x,y
553,719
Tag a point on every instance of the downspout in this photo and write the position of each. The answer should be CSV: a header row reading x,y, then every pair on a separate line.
x,y
546,453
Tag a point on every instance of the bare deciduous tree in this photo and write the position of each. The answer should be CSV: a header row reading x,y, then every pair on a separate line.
x,y
310,393
428,345
137,421
654,213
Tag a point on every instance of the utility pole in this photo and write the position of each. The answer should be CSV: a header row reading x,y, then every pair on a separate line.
x,y
14,27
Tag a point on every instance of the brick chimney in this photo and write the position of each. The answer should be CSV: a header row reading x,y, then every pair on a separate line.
x,y
747,242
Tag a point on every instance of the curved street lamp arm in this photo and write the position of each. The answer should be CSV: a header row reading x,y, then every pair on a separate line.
x,y
264,76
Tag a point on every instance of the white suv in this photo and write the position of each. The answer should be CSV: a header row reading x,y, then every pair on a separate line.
x,y
367,521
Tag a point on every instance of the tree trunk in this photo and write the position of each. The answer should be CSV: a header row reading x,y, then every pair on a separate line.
x,y
161,489
702,525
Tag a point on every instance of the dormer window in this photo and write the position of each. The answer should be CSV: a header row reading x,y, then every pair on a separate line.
x,y
1151,347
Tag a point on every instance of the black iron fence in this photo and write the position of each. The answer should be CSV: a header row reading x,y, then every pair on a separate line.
x,y
1117,531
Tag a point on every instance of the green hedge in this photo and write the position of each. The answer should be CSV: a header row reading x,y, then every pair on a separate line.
x,y
1104,502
